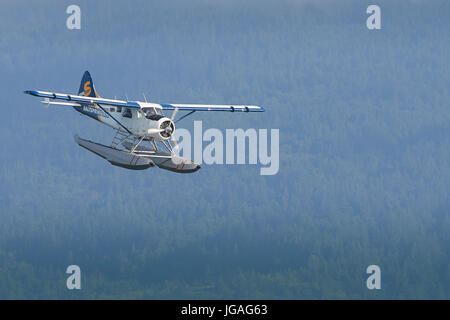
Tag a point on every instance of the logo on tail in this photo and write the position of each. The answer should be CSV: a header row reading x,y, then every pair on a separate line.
x,y
87,88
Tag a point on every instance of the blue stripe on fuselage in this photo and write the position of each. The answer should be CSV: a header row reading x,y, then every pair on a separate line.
x,y
91,111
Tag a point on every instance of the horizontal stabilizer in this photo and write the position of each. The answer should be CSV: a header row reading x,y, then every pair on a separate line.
x,y
67,104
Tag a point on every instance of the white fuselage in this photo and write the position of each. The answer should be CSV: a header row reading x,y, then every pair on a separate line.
x,y
146,121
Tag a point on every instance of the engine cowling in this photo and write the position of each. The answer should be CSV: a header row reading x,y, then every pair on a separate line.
x,y
161,129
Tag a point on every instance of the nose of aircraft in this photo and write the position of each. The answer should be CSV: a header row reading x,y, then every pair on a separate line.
x,y
168,129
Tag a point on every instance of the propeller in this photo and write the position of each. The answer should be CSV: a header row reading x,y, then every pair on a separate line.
x,y
168,128
175,143
174,113
172,138
151,131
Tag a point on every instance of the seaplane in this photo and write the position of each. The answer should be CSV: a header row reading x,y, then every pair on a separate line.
x,y
144,136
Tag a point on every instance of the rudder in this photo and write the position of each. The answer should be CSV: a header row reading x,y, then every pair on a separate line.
x,y
87,88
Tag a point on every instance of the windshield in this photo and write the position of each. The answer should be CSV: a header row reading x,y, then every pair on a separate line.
x,y
152,113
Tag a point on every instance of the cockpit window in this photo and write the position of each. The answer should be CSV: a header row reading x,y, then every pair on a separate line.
x,y
155,117
153,113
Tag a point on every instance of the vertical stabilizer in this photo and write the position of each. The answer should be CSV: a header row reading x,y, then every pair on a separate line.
x,y
87,88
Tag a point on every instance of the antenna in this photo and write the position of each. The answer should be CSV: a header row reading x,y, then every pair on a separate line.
x,y
144,97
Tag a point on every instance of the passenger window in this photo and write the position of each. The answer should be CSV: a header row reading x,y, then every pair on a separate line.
x,y
119,109
127,113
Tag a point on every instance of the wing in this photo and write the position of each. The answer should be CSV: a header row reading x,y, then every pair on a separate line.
x,y
212,107
73,99
82,99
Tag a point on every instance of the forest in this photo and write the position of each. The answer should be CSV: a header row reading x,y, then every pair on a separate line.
x,y
364,126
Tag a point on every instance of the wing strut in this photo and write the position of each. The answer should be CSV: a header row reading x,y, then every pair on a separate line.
x,y
187,114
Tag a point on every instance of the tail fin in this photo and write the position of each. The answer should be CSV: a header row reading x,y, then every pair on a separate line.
x,y
87,88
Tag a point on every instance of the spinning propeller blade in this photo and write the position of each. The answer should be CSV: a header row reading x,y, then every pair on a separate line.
x,y
175,143
150,131
174,114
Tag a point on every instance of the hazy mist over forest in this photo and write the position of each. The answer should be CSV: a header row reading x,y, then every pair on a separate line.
x,y
364,120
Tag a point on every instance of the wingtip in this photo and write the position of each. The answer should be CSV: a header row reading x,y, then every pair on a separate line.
x,y
31,92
